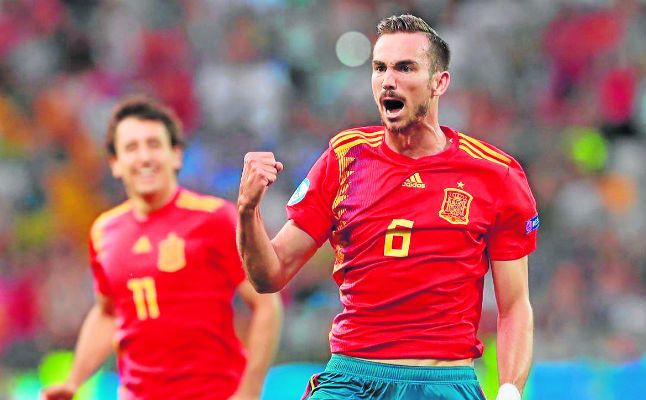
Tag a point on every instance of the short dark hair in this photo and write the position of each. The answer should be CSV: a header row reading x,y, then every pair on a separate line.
x,y
439,52
145,108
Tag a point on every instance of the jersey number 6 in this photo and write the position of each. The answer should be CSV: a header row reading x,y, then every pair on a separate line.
x,y
398,228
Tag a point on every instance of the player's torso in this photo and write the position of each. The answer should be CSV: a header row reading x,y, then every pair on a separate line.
x,y
160,266
173,298
410,238
433,212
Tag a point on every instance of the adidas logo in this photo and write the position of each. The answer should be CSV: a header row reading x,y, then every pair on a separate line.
x,y
142,245
414,181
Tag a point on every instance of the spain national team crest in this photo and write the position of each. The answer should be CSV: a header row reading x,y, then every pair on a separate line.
x,y
171,255
456,205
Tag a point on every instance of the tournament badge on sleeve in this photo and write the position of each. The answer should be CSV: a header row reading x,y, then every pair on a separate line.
x,y
171,256
300,192
456,205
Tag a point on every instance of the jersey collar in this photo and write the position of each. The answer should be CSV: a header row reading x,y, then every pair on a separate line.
x,y
451,136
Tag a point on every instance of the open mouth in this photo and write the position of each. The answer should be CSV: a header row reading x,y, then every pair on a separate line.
x,y
393,107
146,171
145,174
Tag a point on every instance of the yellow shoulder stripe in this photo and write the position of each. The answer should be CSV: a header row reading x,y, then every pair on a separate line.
x,y
195,202
475,153
96,233
476,144
341,144
342,150
347,138
469,152
354,133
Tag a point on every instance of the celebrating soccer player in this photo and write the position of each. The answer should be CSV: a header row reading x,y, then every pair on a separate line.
x,y
417,213
166,268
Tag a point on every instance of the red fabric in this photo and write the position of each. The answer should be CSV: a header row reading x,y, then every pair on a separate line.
x,y
314,213
425,304
166,66
573,37
618,93
190,350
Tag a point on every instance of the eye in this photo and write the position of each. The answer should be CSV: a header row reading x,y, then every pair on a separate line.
x,y
379,67
132,146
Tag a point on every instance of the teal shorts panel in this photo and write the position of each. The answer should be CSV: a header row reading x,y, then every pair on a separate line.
x,y
348,378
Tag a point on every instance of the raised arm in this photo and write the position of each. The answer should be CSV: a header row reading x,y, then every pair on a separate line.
x,y
93,346
515,326
270,264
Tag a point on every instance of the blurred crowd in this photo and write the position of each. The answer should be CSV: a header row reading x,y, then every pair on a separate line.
x,y
560,85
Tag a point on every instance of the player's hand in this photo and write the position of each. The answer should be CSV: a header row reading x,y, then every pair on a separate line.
x,y
508,391
260,170
64,391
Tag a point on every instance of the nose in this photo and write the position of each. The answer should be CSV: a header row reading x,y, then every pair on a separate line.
x,y
389,82
144,154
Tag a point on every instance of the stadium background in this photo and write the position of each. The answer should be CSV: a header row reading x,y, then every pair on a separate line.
x,y
561,85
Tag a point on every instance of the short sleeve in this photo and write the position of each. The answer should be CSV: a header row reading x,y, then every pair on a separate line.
x,y
310,207
513,234
101,284
225,220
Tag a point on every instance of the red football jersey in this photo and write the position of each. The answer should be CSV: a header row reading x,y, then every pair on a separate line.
x,y
413,239
172,279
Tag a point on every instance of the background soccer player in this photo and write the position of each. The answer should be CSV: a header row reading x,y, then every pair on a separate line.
x,y
166,269
416,212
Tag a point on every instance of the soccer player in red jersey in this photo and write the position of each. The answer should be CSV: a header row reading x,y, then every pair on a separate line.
x,y
416,213
166,269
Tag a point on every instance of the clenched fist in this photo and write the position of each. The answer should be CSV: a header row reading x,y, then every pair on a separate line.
x,y
260,170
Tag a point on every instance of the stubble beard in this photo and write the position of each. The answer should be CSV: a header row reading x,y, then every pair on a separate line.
x,y
421,111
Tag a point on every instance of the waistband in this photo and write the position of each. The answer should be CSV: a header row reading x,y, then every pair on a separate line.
x,y
343,364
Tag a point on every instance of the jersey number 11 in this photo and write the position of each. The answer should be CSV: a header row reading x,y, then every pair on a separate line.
x,y
144,295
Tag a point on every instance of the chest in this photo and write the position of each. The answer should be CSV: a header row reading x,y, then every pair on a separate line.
x,y
161,250
440,199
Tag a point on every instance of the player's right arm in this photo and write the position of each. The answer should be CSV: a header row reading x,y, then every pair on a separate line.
x,y
92,348
270,264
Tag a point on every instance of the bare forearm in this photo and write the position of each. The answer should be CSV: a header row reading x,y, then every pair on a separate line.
x,y
515,343
264,334
93,346
258,254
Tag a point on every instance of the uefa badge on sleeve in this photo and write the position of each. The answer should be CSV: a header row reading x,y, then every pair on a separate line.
x,y
300,192
532,224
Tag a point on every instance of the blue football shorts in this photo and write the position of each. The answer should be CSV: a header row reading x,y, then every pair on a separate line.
x,y
348,378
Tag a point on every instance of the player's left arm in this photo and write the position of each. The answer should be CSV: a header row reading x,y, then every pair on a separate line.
x,y
262,339
515,325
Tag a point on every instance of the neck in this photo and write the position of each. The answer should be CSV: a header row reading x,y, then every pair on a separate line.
x,y
143,205
424,138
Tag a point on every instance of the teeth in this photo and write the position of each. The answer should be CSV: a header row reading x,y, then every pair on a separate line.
x,y
145,171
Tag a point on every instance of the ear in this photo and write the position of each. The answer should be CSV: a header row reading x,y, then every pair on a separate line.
x,y
440,83
178,155
115,167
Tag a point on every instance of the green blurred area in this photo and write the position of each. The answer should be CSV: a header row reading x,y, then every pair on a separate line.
x,y
587,148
